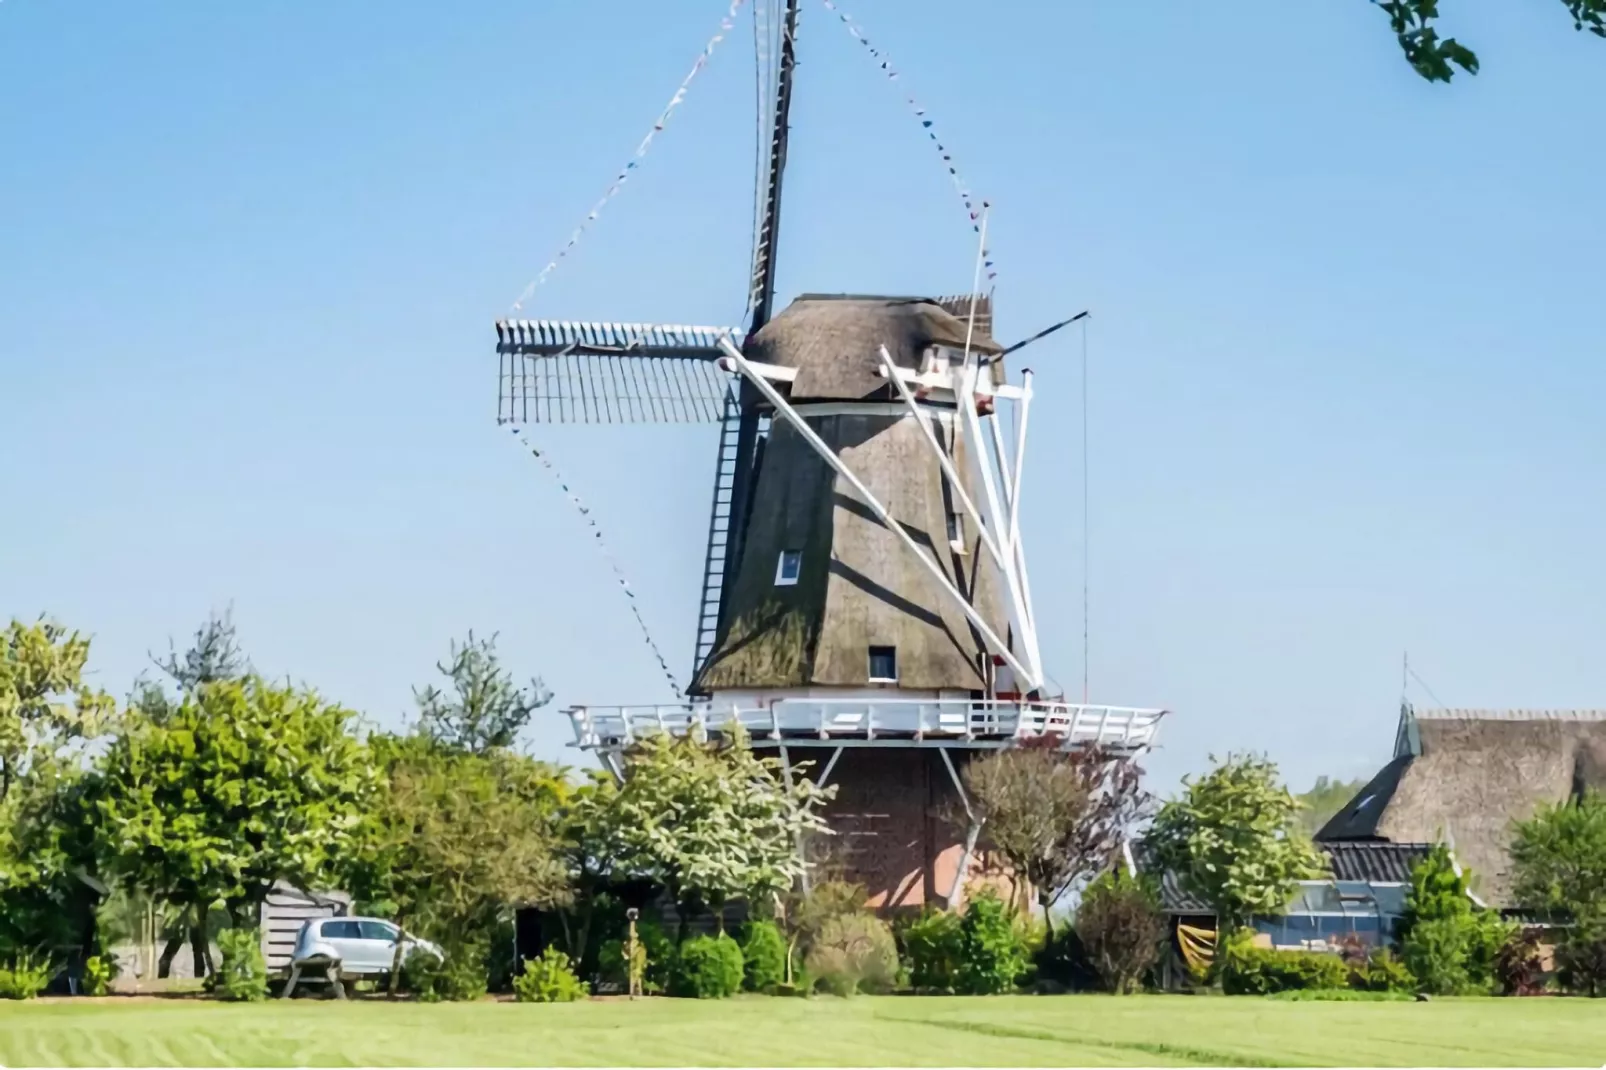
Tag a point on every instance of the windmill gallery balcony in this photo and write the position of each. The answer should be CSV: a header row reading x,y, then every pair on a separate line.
x,y
959,722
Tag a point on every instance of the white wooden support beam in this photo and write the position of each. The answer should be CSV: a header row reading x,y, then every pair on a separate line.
x,y
947,465
802,856
825,774
972,833
972,423
1004,559
783,408
939,381
774,372
1012,535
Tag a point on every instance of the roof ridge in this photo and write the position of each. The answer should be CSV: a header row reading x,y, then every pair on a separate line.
x,y
1510,715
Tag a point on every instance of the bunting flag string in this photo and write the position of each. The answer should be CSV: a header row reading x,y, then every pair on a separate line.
x,y
884,61
602,547
725,26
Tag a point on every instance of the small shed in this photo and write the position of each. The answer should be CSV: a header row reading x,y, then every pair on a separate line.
x,y
285,910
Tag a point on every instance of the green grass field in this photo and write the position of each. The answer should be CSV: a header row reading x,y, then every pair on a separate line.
x,y
890,1031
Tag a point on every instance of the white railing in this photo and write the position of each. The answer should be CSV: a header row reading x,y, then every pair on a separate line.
x,y
847,721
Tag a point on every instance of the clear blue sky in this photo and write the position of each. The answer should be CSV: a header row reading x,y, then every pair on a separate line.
x,y
1347,347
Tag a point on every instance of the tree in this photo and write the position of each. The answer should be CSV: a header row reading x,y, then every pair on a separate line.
x,y
213,655
1449,944
1436,59
239,784
1059,817
1121,928
45,705
453,838
1559,859
1231,840
486,708
711,821
1325,799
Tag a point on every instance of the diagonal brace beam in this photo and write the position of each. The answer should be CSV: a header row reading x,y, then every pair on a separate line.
x,y
736,362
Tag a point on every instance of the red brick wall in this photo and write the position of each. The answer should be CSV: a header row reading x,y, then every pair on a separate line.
x,y
892,831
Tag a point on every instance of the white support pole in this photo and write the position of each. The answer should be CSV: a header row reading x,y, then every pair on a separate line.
x,y
802,855
789,414
946,462
972,424
825,774
1022,409
972,832
1012,540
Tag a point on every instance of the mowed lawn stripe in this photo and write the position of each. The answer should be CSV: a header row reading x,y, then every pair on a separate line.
x,y
887,1031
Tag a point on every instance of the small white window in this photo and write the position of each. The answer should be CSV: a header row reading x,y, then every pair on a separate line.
x,y
956,532
788,567
883,665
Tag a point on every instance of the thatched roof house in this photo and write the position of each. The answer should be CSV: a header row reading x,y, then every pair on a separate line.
x,y
1466,776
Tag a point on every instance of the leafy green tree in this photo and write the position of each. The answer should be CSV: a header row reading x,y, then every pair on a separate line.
x,y
1448,942
237,785
453,838
1231,839
1437,59
1059,817
1559,858
1325,798
49,715
712,821
1121,928
45,705
485,708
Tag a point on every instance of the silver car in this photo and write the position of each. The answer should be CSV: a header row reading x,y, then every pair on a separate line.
x,y
345,949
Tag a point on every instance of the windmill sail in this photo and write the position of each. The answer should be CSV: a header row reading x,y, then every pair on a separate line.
x,y
564,371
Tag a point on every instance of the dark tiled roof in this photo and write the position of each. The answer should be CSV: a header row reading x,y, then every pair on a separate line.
x,y
1376,863
1379,863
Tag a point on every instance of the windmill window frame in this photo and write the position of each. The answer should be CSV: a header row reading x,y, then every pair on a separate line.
x,y
956,531
788,567
884,658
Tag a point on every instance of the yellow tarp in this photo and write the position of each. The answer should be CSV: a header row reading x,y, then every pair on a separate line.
x,y
1198,948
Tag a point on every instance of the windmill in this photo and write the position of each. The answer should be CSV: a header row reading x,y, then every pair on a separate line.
x,y
865,595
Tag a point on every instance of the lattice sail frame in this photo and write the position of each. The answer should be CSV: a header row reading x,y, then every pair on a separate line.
x,y
579,372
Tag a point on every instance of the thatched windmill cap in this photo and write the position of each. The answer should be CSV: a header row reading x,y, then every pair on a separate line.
x,y
834,340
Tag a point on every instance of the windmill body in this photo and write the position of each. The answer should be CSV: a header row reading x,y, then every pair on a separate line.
x,y
866,607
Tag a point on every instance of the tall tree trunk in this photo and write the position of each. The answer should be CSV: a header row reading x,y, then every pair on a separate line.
x,y
164,965
200,947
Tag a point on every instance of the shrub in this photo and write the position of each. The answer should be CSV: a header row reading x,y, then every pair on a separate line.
x,y
98,973
460,978
25,977
992,956
852,953
1383,972
421,975
763,956
1436,952
1518,969
707,967
1581,959
652,943
242,976
1340,995
548,979
1121,929
1247,970
932,945
1062,962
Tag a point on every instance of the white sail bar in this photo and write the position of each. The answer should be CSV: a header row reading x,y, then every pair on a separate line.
x,y
546,338
890,722
572,371
734,360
